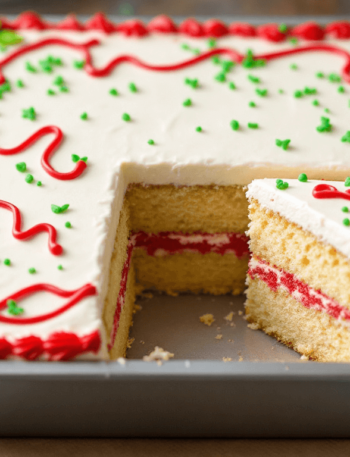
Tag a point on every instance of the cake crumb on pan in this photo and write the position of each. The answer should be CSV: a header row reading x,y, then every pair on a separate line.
x,y
207,319
158,355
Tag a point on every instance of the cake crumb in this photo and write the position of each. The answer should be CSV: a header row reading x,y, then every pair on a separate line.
x,y
187,363
227,359
304,357
253,326
286,368
121,361
136,308
231,341
158,355
142,342
172,293
129,342
218,337
240,359
240,313
229,317
207,319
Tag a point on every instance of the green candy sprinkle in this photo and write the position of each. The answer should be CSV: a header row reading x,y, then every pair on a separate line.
x,y
13,309
84,116
29,178
345,209
21,166
341,89
316,103
283,28
254,79
346,137
227,65
187,102
221,77
302,177
32,271
199,129
281,185
29,114
192,82
50,92
293,40
294,66
250,62
7,262
234,125
216,60
19,83
298,94
252,104
211,43
280,91
151,142
334,78
325,126
39,183
76,158
253,125
68,225
126,117
64,89
284,144
347,182
326,110
261,92
79,64
196,51
30,68
319,75
58,81
114,92
185,47
60,267
231,85
346,221
132,87
310,91
59,209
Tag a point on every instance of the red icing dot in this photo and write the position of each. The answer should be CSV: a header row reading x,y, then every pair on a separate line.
x,y
100,22
339,29
29,348
29,20
308,31
5,348
162,24
6,24
191,27
70,23
271,33
133,27
242,29
215,28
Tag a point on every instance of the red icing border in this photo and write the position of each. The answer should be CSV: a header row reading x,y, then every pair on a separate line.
x,y
190,27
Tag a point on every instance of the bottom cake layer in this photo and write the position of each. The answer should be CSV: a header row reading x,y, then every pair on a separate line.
x,y
311,332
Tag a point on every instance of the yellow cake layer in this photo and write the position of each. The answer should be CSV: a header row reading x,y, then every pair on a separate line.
x,y
312,333
191,272
289,247
209,209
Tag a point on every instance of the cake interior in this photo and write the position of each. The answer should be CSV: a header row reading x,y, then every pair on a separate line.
x,y
207,252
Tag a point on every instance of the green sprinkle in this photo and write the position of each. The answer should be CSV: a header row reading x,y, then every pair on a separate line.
x,y
68,225
283,28
151,142
13,309
325,126
32,271
227,65
253,125
261,92
30,67
29,114
221,77
252,104
345,209
254,79
346,221
298,94
211,43
64,89
341,89
84,116
21,166
114,92
334,78
281,185
126,117
75,158
347,182
231,85
50,92
293,40
29,178
7,262
216,60
192,82
185,46
187,102
302,177
19,83
60,267
294,66
132,87
234,125
310,91
39,184
346,138
58,81
316,103
250,62
59,209
284,144
326,110
280,91
196,51
79,64
199,129
320,75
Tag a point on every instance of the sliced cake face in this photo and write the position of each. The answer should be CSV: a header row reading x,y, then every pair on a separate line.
x,y
299,272
87,116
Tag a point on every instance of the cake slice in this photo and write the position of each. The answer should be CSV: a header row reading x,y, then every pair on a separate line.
x,y
299,271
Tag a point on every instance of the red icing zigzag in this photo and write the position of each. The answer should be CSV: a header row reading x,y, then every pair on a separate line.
x,y
328,191
54,248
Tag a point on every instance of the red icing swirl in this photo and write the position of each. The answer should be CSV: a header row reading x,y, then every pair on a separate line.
x,y
70,23
328,191
101,23
54,248
215,28
29,21
308,31
191,27
339,29
162,24
242,29
271,32
133,27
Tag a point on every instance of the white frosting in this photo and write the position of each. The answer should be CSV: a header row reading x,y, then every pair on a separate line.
x,y
119,154
321,217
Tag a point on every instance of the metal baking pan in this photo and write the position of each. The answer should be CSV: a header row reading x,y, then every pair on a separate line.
x,y
265,391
